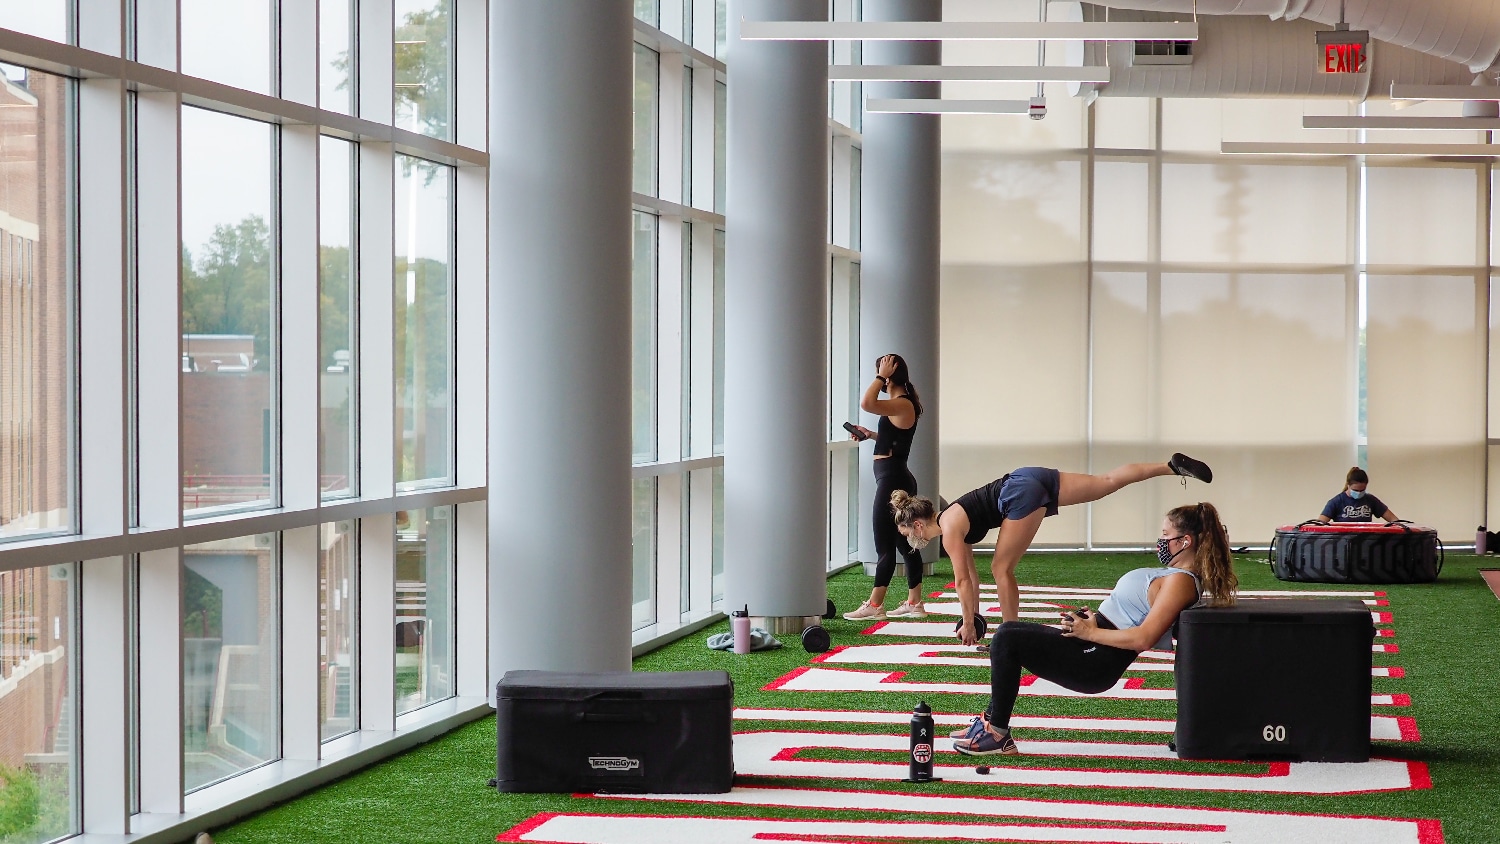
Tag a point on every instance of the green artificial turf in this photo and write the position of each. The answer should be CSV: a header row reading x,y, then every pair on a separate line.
x,y
1446,632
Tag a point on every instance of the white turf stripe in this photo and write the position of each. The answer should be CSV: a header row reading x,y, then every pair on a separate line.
x,y
1254,593
1238,827
962,656
765,754
1054,599
944,630
954,609
837,680
615,829
830,680
1382,727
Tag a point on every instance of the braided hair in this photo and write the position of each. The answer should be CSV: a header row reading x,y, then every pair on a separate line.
x,y
1215,568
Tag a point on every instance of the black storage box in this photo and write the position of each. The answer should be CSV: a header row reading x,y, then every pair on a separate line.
x,y
615,731
1275,679
1356,552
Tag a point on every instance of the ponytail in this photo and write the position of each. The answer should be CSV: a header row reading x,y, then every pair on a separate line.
x,y
901,379
1356,476
907,508
1215,567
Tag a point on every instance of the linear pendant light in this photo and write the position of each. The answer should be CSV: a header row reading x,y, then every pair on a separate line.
x,y
934,106
964,73
1444,92
1422,150
966,31
1383,121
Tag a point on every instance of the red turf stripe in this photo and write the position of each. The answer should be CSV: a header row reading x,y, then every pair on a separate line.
x,y
828,653
786,678
1408,727
870,631
1400,700
1396,672
1420,776
531,823
1429,832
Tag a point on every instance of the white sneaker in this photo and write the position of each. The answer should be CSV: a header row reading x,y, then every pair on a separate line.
x,y
866,613
905,610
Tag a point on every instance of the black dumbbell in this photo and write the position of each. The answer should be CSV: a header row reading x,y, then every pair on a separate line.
x,y
830,611
815,639
980,625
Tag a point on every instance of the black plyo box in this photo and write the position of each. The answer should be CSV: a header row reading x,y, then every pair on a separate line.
x,y
1275,679
639,732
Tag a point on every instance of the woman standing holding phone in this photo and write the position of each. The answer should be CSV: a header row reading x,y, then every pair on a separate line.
x,y
893,436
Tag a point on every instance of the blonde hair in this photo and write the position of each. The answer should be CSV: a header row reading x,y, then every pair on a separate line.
x,y
907,508
1215,567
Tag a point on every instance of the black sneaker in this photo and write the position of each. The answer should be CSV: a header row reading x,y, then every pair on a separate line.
x,y
1189,468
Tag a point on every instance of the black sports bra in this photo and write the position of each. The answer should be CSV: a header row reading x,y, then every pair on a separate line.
x,y
983,509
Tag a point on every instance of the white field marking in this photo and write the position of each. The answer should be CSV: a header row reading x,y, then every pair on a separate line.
x,y
627,829
840,680
952,608
944,630
917,654
1055,599
1252,593
1382,727
1223,827
773,754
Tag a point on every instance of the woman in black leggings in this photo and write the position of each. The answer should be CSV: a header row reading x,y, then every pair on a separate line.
x,y
1093,649
893,436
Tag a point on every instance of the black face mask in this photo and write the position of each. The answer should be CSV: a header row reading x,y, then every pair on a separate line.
x,y
1164,554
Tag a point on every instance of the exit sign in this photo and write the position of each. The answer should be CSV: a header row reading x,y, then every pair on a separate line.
x,y
1345,50
1345,58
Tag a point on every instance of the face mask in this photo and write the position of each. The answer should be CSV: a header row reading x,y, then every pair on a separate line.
x,y
1163,554
917,542
1354,493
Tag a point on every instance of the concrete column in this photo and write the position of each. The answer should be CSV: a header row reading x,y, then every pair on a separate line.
x,y
776,317
900,252
559,375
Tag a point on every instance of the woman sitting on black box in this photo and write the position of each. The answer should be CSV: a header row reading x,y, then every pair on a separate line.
x,y
1354,504
1093,650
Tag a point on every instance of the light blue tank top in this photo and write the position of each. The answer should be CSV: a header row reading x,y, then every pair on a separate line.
x,y
1129,602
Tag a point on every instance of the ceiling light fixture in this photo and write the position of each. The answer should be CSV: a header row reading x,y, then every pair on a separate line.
x,y
956,73
1035,107
1444,92
1387,121
1417,150
966,31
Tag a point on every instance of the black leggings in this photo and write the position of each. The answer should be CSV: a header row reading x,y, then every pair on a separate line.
x,y
891,474
1044,651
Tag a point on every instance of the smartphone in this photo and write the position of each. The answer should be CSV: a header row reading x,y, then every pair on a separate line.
x,y
855,432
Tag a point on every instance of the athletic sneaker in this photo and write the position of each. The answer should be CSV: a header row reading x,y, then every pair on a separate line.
x,y
866,613
976,726
988,744
1190,468
905,610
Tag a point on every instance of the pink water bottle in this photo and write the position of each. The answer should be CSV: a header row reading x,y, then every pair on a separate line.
x,y
1481,544
739,624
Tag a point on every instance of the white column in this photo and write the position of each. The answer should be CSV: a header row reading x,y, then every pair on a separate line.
x,y
472,604
376,28
901,235
158,310
377,363
559,478
301,737
160,701
299,302
105,745
377,623
776,317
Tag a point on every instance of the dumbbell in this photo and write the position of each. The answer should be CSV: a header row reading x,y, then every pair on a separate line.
x,y
815,639
980,625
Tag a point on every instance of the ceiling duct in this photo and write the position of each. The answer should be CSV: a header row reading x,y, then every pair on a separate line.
x,y
1244,55
1462,31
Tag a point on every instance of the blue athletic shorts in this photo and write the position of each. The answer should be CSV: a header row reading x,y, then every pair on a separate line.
x,y
1028,490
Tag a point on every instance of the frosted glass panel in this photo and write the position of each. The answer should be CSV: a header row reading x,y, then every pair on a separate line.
x,y
1014,377
1424,215
1124,410
1000,210
1256,380
1122,191
1426,400
1123,123
1192,125
1255,213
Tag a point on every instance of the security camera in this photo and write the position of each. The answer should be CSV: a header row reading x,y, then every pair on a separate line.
x,y
1038,108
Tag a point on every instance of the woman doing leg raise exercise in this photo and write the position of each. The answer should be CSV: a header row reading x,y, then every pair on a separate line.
x,y
897,429
1093,649
1016,504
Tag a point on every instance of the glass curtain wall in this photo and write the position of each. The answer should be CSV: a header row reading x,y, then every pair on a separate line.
x,y
36,304
423,307
231,43
38,704
338,629
424,607
230,658
424,67
229,300
338,317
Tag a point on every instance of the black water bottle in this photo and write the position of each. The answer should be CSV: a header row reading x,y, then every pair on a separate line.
x,y
920,765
